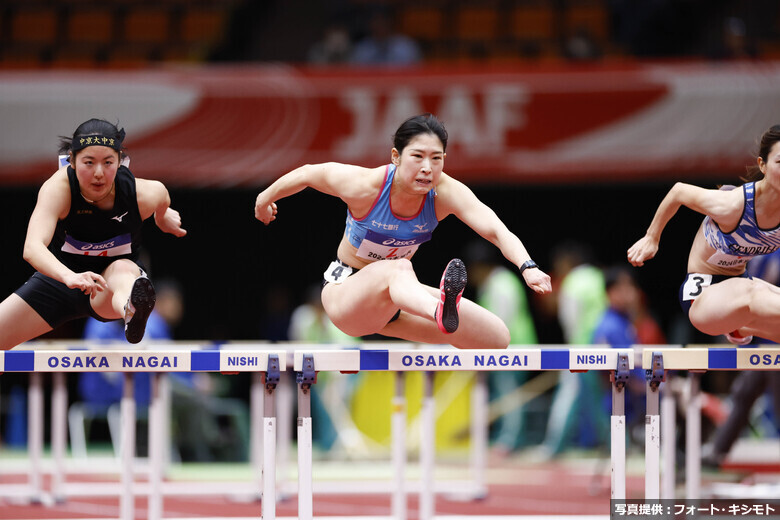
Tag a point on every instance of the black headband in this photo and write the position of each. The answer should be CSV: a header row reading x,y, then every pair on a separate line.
x,y
79,143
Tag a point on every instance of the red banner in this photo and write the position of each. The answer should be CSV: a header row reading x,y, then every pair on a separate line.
x,y
229,126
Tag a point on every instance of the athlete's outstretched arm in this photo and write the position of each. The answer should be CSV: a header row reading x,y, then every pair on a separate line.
x,y
456,198
340,180
154,199
53,204
713,203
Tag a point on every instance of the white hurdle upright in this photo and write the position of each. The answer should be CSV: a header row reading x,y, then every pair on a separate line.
x,y
307,363
35,434
398,431
654,375
694,359
61,490
270,362
127,449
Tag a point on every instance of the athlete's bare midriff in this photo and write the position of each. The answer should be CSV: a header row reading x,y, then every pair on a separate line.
x,y
700,252
347,253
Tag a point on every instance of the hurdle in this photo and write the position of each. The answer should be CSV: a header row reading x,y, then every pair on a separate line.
x,y
60,490
695,360
307,363
473,488
59,410
269,363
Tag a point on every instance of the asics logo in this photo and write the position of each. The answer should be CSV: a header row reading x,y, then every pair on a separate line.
x,y
394,242
105,245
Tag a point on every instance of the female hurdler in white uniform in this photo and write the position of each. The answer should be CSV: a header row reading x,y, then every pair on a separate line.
x,y
372,278
740,223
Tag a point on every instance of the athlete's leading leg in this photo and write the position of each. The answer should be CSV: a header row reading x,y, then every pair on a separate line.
x,y
749,306
130,295
19,322
119,276
367,300
479,328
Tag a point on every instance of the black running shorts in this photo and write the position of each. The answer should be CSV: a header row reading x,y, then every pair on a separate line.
x,y
54,301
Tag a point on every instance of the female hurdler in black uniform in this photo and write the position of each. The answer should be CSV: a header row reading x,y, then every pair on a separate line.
x,y
83,240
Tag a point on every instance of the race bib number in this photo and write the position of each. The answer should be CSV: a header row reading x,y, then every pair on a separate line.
x,y
723,260
117,246
337,272
694,285
376,246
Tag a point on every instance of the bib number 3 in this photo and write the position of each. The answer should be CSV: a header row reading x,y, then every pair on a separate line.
x,y
695,284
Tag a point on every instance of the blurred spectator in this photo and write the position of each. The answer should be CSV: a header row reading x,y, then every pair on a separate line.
x,y
383,46
275,316
648,330
335,47
310,324
657,28
195,429
580,46
581,302
581,298
502,292
617,328
105,388
733,42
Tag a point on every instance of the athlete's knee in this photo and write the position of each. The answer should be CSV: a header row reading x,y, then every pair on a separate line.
x,y
122,266
496,338
495,334
347,328
402,265
757,297
399,268
703,323
503,336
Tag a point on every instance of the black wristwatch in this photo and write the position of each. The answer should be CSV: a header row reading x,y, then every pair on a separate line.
x,y
529,264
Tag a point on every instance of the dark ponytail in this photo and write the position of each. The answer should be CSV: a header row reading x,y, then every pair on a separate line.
x,y
768,140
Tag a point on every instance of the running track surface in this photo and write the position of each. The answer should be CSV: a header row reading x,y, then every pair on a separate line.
x,y
553,489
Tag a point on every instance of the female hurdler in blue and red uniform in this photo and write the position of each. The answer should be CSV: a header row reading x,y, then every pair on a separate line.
x,y
83,240
739,224
371,287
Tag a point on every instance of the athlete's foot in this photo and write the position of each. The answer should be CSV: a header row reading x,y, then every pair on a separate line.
x,y
138,308
453,282
737,339
710,459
